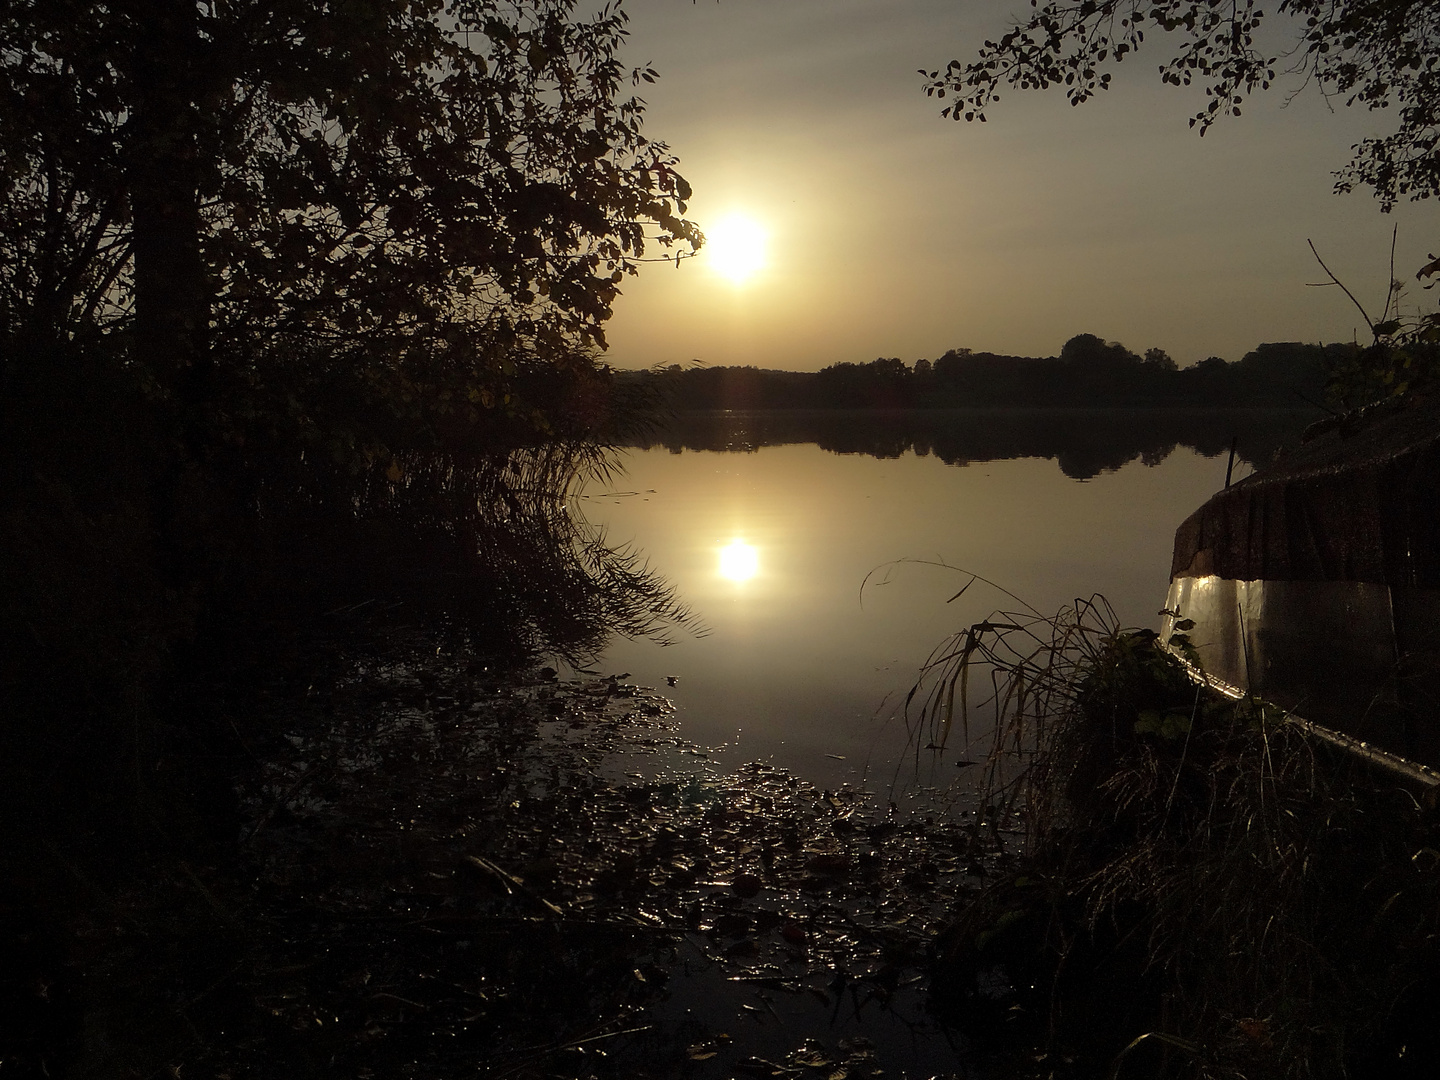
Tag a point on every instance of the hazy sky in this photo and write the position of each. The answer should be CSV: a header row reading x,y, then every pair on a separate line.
x,y
892,232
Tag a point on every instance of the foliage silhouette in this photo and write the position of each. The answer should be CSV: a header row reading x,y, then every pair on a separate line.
x,y
299,313
1089,373
1375,54
401,206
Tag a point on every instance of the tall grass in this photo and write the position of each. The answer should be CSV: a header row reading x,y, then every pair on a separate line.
x,y
150,588
492,541
1206,889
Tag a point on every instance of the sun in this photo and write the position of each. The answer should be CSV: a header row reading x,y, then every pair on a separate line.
x,y
735,247
739,561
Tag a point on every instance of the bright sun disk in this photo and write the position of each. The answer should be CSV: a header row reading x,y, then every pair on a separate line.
x,y
735,247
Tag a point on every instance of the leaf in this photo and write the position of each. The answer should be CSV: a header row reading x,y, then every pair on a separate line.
x,y
829,864
1174,726
757,1066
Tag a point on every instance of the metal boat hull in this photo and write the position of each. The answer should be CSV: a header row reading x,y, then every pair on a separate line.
x,y
1358,657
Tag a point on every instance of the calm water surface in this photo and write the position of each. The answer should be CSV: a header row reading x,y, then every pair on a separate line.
x,y
803,667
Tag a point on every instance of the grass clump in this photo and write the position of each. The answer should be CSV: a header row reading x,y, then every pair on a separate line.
x,y
1206,889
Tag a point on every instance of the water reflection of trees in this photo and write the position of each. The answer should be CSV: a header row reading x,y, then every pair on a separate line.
x,y
489,540
1083,442
123,694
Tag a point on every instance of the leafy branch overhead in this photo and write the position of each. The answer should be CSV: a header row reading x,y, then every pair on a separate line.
x,y
1377,54
412,195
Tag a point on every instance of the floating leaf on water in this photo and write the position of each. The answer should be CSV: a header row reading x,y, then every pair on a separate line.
x,y
829,863
672,865
760,1067
732,924
747,885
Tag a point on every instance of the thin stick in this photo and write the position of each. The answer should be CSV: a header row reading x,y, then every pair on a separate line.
x,y
1391,291
946,566
1347,292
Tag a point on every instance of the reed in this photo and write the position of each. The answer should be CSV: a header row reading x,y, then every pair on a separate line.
x,y
1205,890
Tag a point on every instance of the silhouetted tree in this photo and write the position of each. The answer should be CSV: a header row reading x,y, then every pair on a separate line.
x,y
1090,351
325,208
950,364
1377,54
297,301
884,383
1159,359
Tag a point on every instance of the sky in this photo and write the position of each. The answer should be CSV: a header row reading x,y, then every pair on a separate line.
x,y
889,231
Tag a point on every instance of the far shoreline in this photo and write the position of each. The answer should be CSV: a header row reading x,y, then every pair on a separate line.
x,y
1084,440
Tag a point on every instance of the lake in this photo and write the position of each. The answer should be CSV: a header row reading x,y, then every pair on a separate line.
x,y
769,536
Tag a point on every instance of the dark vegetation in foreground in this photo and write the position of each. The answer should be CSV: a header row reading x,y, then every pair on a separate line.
x,y
1207,891
159,634
1088,373
431,877
295,318
300,306
300,309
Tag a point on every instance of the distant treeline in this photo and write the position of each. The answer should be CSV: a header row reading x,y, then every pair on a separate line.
x,y
1088,373
1083,442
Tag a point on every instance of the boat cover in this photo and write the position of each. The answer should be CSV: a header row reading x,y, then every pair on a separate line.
x,y
1357,500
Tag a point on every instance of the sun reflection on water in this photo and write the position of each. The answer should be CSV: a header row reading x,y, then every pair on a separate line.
x,y
739,561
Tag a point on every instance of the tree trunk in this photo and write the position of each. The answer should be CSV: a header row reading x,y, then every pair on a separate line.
x,y
172,295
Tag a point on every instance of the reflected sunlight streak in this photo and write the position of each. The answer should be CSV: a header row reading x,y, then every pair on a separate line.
x,y
739,561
